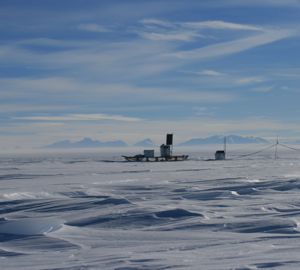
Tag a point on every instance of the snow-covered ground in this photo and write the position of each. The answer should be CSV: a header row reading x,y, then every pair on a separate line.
x,y
93,211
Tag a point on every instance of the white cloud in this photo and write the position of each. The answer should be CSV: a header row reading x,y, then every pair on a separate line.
x,y
209,72
235,46
50,90
154,29
263,89
170,36
203,111
249,80
221,25
37,88
287,72
31,107
156,22
230,79
115,60
199,25
50,42
80,117
196,96
93,27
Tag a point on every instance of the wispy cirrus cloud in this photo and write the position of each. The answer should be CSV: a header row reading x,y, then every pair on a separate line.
x,y
171,36
232,79
235,46
137,58
249,80
31,107
53,89
209,72
276,3
149,23
93,27
154,29
256,36
158,30
51,43
220,25
80,117
263,89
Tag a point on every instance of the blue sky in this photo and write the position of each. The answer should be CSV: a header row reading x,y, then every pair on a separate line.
x,y
134,69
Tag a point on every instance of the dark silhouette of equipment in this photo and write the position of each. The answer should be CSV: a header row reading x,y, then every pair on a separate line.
x,y
169,139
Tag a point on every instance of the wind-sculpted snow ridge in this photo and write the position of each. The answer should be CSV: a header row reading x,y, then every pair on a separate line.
x,y
132,219
29,226
26,236
93,211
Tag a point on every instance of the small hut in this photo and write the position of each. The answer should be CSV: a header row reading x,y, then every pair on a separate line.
x,y
220,155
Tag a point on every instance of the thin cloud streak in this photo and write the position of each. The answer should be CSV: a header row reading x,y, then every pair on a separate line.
x,y
93,27
159,30
56,88
209,72
13,108
80,117
263,89
176,36
275,3
235,46
249,80
221,25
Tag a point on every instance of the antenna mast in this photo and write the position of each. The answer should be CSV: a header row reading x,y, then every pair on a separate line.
x,y
276,144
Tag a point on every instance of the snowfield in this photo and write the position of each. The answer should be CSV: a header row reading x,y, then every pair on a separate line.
x,y
94,211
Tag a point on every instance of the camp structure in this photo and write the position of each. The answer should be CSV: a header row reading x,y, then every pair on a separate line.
x,y
166,153
221,154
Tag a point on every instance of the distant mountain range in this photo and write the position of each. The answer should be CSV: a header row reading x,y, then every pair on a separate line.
x,y
86,143
147,143
231,139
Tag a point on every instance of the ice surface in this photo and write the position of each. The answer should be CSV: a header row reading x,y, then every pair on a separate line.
x,y
94,211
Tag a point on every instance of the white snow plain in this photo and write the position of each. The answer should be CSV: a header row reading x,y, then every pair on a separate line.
x,y
94,211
